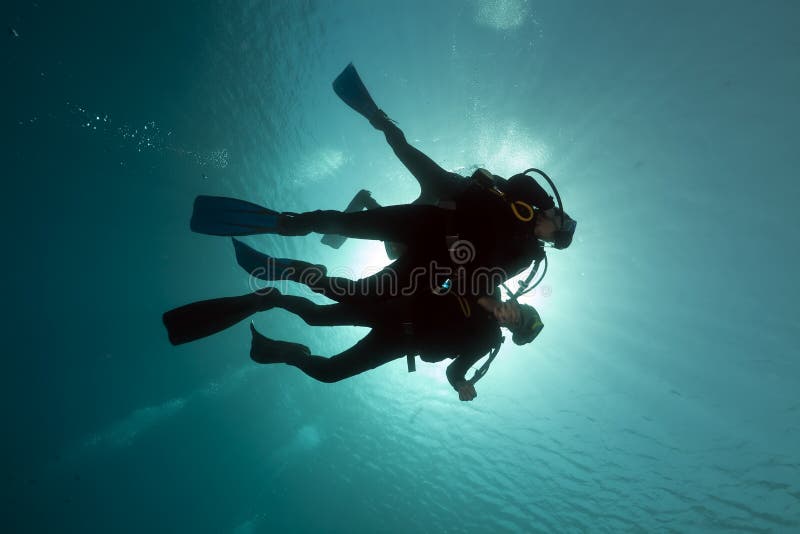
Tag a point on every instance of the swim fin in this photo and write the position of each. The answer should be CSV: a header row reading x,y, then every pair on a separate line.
x,y
363,199
266,267
351,90
230,216
266,350
202,319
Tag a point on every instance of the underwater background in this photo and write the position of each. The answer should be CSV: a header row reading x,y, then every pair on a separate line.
x,y
662,395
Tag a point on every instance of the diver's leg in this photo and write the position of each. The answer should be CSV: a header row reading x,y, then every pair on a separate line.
x,y
374,350
395,250
339,289
269,268
396,279
383,284
363,199
201,319
336,288
323,314
405,224
368,311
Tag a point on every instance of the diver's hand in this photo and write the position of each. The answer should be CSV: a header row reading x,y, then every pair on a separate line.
x,y
466,391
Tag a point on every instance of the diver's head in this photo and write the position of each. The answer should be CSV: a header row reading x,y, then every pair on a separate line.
x,y
522,319
520,187
566,230
555,229
553,226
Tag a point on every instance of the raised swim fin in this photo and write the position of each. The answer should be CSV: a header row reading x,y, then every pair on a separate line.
x,y
351,90
230,216
363,199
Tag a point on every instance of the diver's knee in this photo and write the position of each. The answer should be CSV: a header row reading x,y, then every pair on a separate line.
x,y
335,372
332,378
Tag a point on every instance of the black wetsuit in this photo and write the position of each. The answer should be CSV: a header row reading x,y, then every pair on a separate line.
x,y
476,249
433,326
476,242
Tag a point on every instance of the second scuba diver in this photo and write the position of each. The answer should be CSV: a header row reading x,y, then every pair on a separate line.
x,y
435,326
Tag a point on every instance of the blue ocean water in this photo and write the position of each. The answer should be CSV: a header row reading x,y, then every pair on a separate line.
x,y
661,395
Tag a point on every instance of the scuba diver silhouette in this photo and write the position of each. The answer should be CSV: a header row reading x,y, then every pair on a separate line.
x,y
484,227
466,236
433,326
